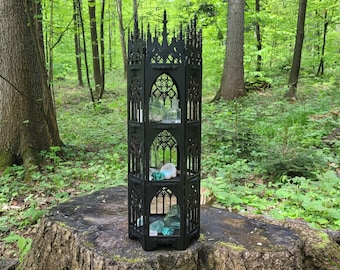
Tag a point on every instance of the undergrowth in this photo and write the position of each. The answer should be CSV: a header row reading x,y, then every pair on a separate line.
x,y
260,155
264,155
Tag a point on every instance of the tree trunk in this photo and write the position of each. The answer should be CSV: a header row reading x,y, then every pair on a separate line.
x,y
50,46
77,46
122,34
321,64
91,232
27,115
294,72
85,51
232,84
110,35
95,49
258,38
102,50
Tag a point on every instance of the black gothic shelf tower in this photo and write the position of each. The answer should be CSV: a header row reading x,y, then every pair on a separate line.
x,y
164,136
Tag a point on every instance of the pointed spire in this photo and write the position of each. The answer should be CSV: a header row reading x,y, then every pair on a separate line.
x,y
187,38
136,30
165,30
181,32
148,33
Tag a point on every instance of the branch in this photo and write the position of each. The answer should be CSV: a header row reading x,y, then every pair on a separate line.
x,y
62,33
18,90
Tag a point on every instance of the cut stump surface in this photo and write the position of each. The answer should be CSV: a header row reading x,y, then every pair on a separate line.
x,y
91,232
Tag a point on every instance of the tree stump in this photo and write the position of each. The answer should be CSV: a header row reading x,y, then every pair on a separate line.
x,y
90,232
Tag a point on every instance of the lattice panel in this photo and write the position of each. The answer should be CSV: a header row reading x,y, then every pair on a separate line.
x,y
136,209
135,156
163,149
193,159
162,201
194,99
135,98
193,205
164,88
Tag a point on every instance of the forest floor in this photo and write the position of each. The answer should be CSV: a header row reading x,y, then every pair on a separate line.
x,y
233,170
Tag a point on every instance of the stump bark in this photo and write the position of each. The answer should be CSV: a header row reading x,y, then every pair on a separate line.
x,y
90,232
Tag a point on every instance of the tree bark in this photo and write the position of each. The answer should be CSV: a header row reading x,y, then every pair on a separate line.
x,y
300,32
85,52
50,46
95,48
258,37
102,50
27,114
91,232
77,46
122,33
321,63
232,84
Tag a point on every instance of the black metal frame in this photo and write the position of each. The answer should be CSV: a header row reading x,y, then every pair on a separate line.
x,y
165,70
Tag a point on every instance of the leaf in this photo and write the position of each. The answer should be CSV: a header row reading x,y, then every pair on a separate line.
x,y
322,221
11,238
283,193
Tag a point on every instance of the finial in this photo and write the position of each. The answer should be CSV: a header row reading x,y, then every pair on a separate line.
x,y
164,17
181,32
136,30
148,33
165,31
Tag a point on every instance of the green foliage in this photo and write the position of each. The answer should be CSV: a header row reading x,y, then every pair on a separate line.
x,y
266,156
24,244
299,163
227,131
94,157
298,197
